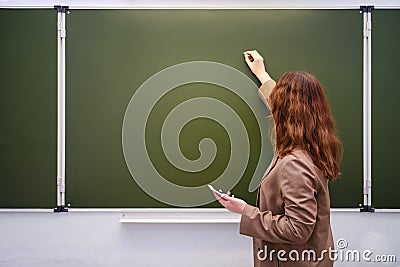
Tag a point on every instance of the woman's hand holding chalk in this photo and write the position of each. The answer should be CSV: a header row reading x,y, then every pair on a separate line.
x,y
248,56
256,64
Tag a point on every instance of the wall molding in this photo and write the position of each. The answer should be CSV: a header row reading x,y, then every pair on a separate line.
x,y
200,4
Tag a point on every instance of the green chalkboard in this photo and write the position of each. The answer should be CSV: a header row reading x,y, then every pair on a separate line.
x,y
111,54
28,108
385,108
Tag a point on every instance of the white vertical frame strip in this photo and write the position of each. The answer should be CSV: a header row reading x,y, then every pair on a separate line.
x,y
61,35
367,109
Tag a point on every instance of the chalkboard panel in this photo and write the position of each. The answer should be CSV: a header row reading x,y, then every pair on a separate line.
x,y
112,53
385,120
28,108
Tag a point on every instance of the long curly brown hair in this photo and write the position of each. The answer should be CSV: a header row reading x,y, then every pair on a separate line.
x,y
303,120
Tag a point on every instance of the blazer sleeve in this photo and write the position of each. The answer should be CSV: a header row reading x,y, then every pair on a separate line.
x,y
295,226
265,90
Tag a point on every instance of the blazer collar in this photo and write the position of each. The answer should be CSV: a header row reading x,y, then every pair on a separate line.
x,y
269,169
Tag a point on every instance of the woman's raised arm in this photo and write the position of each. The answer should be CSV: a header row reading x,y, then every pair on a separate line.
x,y
256,64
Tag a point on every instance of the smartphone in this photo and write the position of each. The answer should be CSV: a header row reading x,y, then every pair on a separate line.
x,y
215,190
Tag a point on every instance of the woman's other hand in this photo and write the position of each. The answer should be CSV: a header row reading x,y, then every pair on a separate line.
x,y
231,203
256,64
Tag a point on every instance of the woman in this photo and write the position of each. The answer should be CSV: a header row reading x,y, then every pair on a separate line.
x,y
290,223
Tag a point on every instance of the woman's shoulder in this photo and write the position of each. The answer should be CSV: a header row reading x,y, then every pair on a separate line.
x,y
302,159
298,154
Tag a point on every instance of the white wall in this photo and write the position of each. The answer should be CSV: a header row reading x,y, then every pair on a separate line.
x,y
95,238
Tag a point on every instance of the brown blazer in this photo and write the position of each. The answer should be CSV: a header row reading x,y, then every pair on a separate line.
x,y
290,224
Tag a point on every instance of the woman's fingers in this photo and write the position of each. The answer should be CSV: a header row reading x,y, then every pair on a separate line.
x,y
253,54
229,202
225,197
247,58
223,201
256,65
253,59
232,204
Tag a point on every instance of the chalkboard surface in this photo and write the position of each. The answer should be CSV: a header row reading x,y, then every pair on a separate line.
x,y
28,108
385,108
115,59
112,54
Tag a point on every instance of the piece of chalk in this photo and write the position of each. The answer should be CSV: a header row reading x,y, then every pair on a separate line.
x,y
249,56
